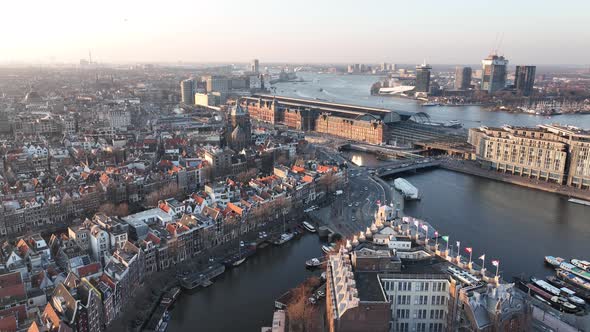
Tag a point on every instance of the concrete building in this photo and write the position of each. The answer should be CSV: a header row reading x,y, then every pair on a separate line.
x,y
206,99
255,66
462,78
549,152
494,73
524,79
218,84
187,91
423,78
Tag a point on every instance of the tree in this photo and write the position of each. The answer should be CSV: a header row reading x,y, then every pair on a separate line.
x,y
167,191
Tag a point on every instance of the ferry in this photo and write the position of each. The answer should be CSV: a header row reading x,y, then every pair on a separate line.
x,y
568,287
575,270
314,262
584,265
556,291
553,261
573,279
309,227
285,237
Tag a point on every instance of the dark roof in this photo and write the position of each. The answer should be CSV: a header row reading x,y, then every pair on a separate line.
x,y
369,287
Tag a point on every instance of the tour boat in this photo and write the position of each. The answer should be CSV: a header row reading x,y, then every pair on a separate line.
x,y
284,238
579,201
558,292
575,270
584,265
553,261
573,279
309,227
568,287
314,262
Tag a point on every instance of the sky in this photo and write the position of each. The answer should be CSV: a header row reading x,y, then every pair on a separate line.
x,y
302,31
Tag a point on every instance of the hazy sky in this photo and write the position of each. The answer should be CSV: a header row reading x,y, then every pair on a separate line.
x,y
442,31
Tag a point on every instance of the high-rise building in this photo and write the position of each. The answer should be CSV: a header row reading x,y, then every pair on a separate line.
x,y
218,83
254,66
494,73
462,78
524,79
187,91
423,78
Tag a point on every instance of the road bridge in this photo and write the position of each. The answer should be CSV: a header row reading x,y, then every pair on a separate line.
x,y
412,165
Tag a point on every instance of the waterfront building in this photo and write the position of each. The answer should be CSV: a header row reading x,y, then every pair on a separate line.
x,y
524,79
423,78
462,78
187,91
551,153
254,66
494,73
368,129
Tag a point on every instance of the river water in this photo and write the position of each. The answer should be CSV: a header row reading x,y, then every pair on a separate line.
x,y
354,89
516,225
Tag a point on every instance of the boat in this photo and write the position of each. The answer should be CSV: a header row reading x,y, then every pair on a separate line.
x,y
558,292
553,261
406,188
570,286
323,276
314,262
285,237
431,104
328,249
170,297
584,265
573,279
202,278
575,270
309,227
453,124
565,304
579,201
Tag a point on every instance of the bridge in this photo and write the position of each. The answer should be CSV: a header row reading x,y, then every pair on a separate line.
x,y
383,150
407,166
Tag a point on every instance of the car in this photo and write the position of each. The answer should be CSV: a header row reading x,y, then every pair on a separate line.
x,y
241,243
349,204
321,293
357,204
312,300
366,188
353,218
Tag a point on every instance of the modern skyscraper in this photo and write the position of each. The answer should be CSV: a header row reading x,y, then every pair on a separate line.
x,y
187,91
494,73
524,79
254,66
462,78
423,78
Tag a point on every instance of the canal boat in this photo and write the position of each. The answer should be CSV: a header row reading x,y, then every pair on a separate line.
x,y
553,261
309,227
579,201
584,265
569,287
575,270
573,279
285,237
558,292
314,262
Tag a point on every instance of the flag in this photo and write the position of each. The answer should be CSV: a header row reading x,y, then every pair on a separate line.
x,y
458,244
416,223
469,250
446,238
495,263
425,227
483,257
378,202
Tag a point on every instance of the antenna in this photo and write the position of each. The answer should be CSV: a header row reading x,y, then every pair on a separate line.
x,y
501,40
89,56
494,50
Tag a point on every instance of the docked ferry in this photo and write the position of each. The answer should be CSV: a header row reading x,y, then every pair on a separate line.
x,y
309,227
569,294
554,261
584,265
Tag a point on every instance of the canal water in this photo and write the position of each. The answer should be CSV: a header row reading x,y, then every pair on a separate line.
x,y
242,299
354,89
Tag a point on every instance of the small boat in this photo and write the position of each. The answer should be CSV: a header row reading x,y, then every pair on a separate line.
x,y
553,261
575,270
565,304
314,262
309,227
584,265
285,237
323,276
328,249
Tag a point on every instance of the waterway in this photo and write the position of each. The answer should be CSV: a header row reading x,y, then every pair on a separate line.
x,y
354,89
516,225
243,298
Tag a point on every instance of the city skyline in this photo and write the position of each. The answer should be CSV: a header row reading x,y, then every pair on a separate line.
x,y
327,32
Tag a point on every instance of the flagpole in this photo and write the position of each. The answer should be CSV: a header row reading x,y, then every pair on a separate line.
x,y
470,254
497,267
448,240
459,249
